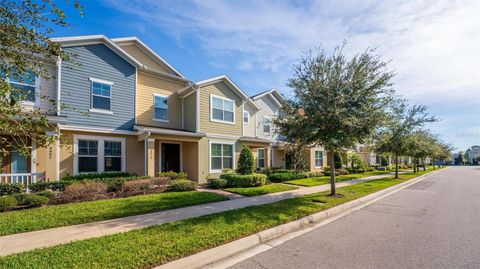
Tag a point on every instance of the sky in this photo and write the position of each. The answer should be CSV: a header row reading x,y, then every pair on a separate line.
x,y
433,46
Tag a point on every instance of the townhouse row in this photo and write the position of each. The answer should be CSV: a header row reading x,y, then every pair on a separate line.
x,y
121,107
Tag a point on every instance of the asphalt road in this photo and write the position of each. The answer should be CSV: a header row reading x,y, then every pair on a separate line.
x,y
434,223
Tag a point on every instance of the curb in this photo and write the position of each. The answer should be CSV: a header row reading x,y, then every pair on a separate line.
x,y
213,255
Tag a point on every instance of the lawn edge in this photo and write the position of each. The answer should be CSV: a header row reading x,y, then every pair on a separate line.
x,y
264,240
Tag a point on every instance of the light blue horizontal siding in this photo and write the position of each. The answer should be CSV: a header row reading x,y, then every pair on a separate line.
x,y
97,61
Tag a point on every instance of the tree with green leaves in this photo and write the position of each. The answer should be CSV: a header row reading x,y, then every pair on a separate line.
x,y
403,121
420,145
460,158
337,160
25,53
338,101
246,164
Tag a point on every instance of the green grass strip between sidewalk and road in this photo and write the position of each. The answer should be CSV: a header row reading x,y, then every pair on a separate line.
x,y
316,181
163,243
262,190
76,213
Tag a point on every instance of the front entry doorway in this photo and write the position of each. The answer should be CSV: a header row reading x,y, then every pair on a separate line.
x,y
170,161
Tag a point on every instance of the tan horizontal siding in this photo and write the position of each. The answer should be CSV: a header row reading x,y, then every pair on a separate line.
x,y
147,85
211,127
142,57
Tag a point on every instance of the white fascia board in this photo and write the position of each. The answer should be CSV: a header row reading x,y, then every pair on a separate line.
x,y
97,39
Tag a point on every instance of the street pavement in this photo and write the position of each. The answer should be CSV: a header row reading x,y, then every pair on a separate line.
x,y
434,223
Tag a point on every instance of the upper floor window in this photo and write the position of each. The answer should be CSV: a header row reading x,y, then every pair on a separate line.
x,y
161,107
101,94
222,109
23,86
318,158
246,117
266,124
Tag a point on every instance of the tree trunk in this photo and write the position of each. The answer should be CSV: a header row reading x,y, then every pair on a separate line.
x,y
423,162
396,166
333,191
414,165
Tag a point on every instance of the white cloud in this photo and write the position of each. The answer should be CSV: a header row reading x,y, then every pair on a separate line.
x,y
434,45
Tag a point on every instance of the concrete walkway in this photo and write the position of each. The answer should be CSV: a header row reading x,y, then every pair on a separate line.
x,y
44,238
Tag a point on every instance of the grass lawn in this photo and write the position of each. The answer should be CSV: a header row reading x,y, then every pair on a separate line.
x,y
254,191
315,181
163,243
75,213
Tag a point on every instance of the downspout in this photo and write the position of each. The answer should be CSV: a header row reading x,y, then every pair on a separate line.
x,y
145,150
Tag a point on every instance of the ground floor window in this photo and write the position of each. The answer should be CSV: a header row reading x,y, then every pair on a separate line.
x,y
99,154
221,156
261,158
318,158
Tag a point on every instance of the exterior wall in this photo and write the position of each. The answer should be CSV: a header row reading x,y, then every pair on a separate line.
x,y
134,152
190,112
268,109
249,128
98,61
211,127
47,90
142,57
204,156
147,86
191,160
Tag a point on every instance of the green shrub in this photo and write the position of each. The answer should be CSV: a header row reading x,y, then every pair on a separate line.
x,y
245,162
337,160
96,176
182,185
49,194
252,180
115,184
173,175
313,174
383,161
7,203
328,173
343,171
217,183
21,198
36,200
285,176
8,189
52,185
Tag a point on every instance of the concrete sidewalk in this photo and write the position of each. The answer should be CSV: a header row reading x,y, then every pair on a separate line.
x,y
44,238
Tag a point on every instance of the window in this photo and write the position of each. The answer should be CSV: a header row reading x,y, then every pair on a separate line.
x,y
222,109
266,125
112,156
318,158
97,154
101,95
23,87
221,156
161,107
246,116
87,156
261,158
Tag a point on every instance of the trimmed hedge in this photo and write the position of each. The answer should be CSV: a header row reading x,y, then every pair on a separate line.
x,y
252,180
7,203
286,176
36,200
96,176
52,185
8,189
182,185
173,175
216,183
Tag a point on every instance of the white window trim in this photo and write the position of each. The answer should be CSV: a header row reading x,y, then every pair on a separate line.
x,y
258,158
36,90
270,125
315,158
98,110
248,117
100,156
211,109
166,97
216,171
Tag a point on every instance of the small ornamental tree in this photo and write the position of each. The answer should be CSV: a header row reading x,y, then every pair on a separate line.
x,y
245,162
338,160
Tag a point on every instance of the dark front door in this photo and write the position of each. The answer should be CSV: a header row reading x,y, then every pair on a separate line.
x,y
170,157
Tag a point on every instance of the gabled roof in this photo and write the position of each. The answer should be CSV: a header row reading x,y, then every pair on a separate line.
x,y
97,39
151,53
273,93
232,85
